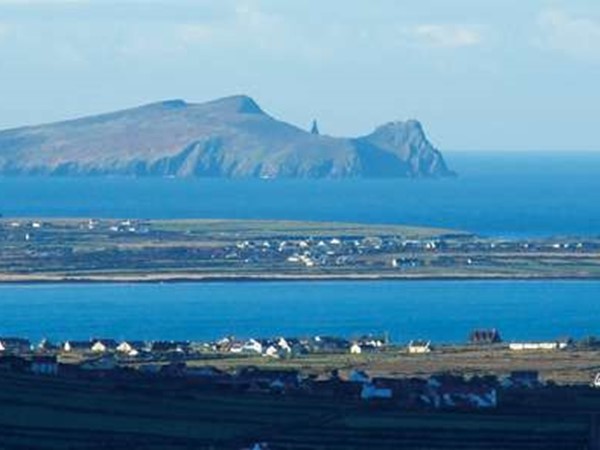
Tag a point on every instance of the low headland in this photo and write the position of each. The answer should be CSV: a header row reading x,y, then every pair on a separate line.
x,y
131,250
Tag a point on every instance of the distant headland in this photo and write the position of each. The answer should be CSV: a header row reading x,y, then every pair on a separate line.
x,y
228,137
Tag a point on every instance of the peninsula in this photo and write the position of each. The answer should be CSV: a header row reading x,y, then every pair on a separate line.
x,y
228,137
73,250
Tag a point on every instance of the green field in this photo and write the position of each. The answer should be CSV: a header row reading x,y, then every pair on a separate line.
x,y
252,229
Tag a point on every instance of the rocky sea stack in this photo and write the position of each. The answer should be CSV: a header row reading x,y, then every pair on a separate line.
x,y
229,137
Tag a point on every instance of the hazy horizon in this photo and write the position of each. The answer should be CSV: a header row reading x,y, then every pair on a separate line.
x,y
499,76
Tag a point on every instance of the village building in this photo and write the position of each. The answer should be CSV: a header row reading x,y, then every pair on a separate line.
x,y
235,347
284,345
252,346
46,346
131,348
419,347
274,350
328,344
77,346
271,351
355,349
103,345
447,391
372,343
14,345
485,336
170,346
524,346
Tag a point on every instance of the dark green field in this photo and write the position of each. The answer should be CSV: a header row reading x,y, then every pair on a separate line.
x,y
45,413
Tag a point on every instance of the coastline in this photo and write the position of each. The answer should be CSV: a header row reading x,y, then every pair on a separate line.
x,y
10,279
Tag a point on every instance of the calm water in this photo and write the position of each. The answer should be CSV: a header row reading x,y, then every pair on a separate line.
x,y
501,194
495,194
442,311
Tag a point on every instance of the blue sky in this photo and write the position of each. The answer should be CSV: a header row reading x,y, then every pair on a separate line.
x,y
480,74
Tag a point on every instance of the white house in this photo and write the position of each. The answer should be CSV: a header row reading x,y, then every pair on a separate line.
x,y
125,347
103,345
73,346
131,348
416,347
307,261
236,347
355,349
272,351
252,346
277,348
284,345
523,346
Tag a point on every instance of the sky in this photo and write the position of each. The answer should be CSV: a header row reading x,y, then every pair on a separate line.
x,y
485,75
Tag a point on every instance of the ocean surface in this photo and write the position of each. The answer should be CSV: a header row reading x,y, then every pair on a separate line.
x,y
442,311
505,194
531,194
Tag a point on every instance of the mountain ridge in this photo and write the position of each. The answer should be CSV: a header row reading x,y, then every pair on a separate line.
x,y
227,137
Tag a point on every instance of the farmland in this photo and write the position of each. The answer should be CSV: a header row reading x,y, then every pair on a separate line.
x,y
570,367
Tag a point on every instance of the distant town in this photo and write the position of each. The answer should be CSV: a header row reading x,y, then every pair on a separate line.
x,y
253,364
171,250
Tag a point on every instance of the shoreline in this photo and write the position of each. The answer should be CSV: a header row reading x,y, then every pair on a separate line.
x,y
220,278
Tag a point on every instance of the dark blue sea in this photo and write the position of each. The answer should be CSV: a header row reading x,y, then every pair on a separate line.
x,y
503,194
443,311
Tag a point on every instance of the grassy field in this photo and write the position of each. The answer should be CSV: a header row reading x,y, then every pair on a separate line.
x,y
45,413
252,229
564,367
